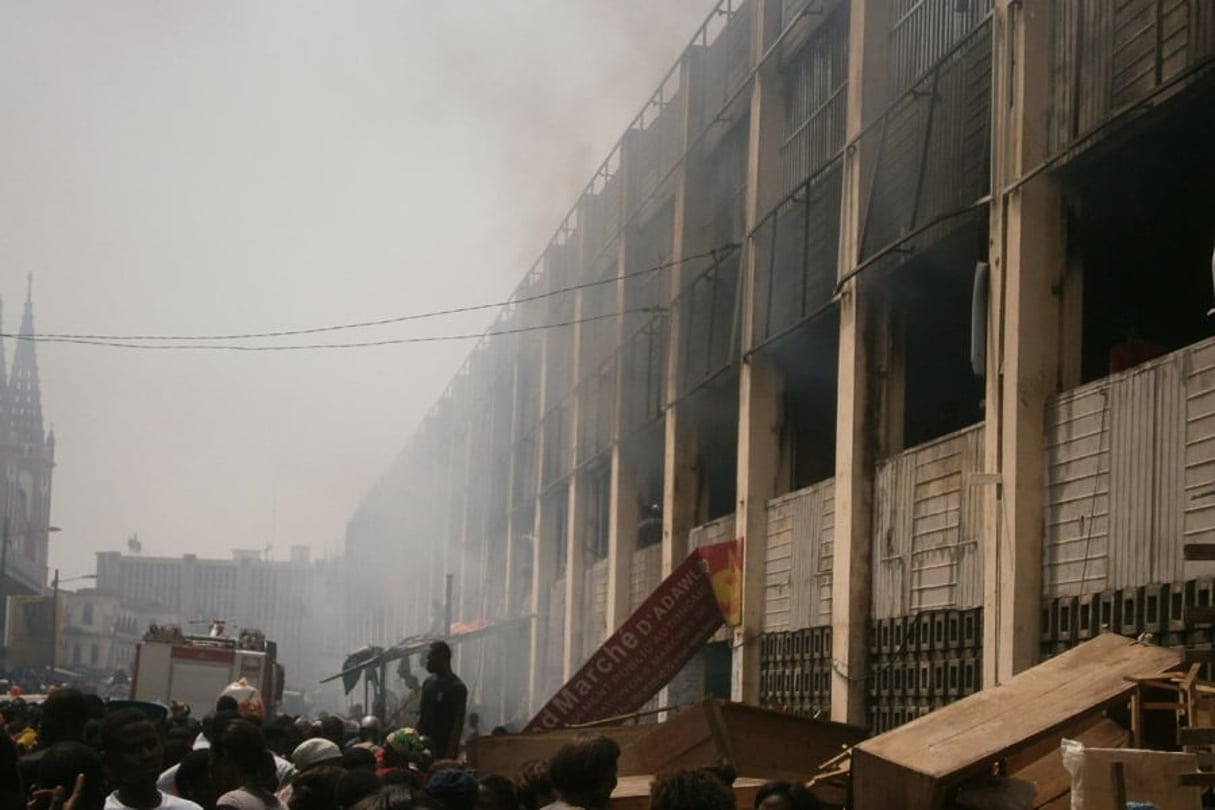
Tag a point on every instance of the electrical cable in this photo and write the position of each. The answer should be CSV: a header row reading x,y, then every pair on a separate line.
x,y
67,337
239,347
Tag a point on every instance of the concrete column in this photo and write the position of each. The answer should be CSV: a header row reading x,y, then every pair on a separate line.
x,y
679,437
759,398
542,564
1027,258
622,514
575,553
869,27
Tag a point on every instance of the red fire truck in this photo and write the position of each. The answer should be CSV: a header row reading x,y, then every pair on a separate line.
x,y
195,670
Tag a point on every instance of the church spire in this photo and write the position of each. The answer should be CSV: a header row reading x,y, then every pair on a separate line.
x,y
24,392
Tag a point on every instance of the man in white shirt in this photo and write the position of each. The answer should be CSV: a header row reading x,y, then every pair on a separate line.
x,y
132,753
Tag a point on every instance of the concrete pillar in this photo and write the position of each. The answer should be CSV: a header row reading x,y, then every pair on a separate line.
x,y
759,398
869,27
1023,368
622,511
679,438
542,564
575,553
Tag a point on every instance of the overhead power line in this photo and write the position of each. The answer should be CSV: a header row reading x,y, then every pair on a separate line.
x,y
241,347
119,341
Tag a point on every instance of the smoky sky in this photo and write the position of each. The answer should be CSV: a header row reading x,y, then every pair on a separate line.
x,y
214,167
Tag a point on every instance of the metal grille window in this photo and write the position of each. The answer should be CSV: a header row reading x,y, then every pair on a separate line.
x,y
596,412
816,101
644,360
931,149
797,249
556,447
1107,57
651,146
923,32
709,317
725,50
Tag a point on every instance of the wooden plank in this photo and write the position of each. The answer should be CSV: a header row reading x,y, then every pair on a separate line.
x,y
984,727
1199,552
1196,736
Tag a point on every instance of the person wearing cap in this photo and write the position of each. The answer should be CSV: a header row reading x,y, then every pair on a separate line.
x,y
310,755
453,789
404,749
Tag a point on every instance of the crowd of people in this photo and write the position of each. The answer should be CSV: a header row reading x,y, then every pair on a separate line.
x,y
75,751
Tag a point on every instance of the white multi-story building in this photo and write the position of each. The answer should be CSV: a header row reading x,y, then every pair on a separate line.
x,y
297,603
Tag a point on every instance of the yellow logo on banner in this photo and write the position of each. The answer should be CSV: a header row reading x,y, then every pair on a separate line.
x,y
723,562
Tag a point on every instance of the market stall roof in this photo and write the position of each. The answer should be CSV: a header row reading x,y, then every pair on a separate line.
x,y
416,644
923,759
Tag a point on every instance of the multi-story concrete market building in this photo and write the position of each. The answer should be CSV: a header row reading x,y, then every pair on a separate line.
x,y
913,296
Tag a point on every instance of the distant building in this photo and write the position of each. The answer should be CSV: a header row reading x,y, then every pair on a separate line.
x,y
296,603
27,458
99,630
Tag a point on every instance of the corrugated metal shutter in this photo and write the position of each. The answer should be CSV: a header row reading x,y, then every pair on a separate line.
x,y
778,563
595,607
926,527
647,573
716,531
556,636
1199,475
1125,457
1075,555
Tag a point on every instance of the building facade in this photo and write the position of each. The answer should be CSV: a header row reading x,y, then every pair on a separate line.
x,y
910,295
296,603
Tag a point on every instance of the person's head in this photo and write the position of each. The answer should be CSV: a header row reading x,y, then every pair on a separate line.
x,y
193,780
226,703
60,765
279,739
131,750
690,790
453,788
400,777
332,728
724,770
583,772
315,753
388,798
358,759
353,787
238,756
64,713
496,792
533,787
315,789
369,729
438,658
405,747
214,724
784,796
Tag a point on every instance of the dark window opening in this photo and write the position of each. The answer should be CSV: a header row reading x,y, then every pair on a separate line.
x,y
715,410
718,665
645,457
1142,228
809,364
556,508
931,320
599,505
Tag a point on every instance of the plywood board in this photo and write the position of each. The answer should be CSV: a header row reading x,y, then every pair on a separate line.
x,y
1150,776
938,750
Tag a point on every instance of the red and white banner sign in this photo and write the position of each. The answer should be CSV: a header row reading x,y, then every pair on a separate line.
x,y
650,648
